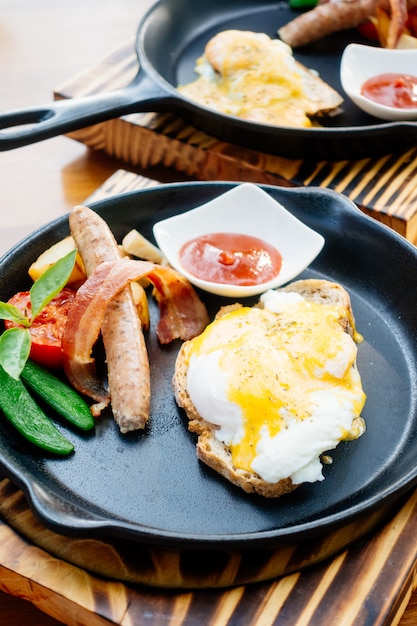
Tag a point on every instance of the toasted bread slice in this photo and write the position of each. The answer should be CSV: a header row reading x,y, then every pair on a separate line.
x,y
320,97
212,451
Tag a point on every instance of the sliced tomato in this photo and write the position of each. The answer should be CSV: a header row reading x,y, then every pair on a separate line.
x,y
368,30
47,328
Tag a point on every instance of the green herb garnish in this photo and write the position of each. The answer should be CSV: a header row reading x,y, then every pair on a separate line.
x,y
15,342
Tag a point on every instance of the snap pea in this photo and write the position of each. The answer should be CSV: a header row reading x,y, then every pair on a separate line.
x,y
302,4
28,418
58,395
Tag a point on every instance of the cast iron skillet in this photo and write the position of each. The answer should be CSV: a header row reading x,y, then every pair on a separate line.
x,y
170,38
150,488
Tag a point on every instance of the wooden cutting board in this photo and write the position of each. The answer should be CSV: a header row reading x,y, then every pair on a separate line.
x,y
369,583
385,187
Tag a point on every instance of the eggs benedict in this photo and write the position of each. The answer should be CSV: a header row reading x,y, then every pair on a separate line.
x,y
268,389
256,78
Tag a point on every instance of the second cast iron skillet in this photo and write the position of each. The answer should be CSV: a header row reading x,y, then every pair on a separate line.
x,y
169,39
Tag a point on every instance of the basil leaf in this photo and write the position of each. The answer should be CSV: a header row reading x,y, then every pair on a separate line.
x,y
51,282
12,313
14,350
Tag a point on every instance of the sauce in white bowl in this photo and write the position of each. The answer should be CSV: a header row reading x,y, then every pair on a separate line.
x,y
246,210
361,63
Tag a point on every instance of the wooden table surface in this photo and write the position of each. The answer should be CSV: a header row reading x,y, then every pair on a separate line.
x,y
42,44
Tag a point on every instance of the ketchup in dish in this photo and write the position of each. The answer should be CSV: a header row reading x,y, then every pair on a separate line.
x,y
392,90
231,258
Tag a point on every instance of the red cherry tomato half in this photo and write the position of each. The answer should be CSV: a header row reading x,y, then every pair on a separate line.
x,y
367,29
47,328
411,23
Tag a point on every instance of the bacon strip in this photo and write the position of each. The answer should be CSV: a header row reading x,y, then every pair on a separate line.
x,y
397,22
182,315
79,367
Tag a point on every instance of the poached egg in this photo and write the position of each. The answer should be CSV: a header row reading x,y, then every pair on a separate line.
x,y
280,384
257,78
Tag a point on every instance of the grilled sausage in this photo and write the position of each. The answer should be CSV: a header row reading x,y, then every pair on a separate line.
x,y
335,15
124,343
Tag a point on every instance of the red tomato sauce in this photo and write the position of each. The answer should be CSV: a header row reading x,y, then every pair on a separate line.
x,y
393,90
231,258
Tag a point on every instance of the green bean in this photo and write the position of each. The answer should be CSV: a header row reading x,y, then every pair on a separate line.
x,y
28,418
302,4
58,395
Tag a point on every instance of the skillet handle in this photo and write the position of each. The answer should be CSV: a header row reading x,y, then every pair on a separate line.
x,y
26,126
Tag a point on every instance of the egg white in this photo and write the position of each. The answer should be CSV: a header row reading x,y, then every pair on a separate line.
x,y
243,367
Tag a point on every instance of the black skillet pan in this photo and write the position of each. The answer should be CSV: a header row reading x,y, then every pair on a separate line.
x,y
170,38
149,487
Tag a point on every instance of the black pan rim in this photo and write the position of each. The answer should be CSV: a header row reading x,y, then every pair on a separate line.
x,y
119,528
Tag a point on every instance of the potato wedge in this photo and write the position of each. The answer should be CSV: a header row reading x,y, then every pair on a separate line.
x,y
52,255
406,42
137,245
382,22
141,300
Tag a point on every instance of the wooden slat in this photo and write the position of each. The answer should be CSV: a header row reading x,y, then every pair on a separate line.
x,y
384,188
158,567
368,584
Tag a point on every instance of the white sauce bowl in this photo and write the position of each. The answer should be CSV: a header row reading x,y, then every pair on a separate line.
x,y
248,210
360,62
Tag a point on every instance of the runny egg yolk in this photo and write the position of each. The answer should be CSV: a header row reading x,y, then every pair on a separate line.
x,y
266,377
251,76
